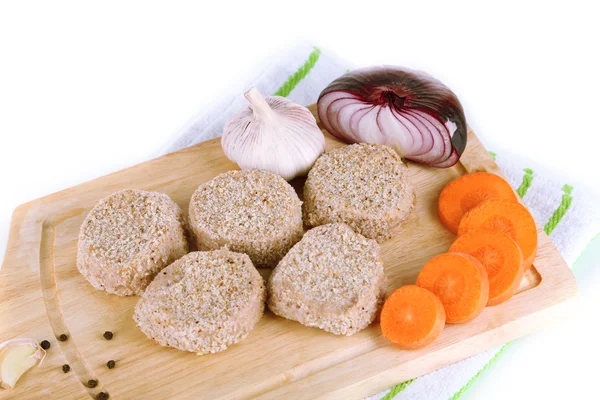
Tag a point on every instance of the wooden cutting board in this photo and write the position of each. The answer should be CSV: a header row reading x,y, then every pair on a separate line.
x,y
42,295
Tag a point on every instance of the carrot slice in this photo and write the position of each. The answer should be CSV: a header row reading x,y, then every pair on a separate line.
x,y
412,317
460,282
466,192
501,257
508,217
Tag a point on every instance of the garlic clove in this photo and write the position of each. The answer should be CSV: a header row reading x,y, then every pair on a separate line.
x,y
17,356
273,134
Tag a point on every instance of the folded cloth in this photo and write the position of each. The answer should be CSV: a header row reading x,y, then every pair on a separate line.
x,y
567,214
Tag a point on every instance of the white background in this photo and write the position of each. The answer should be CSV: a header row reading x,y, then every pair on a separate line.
x,y
87,89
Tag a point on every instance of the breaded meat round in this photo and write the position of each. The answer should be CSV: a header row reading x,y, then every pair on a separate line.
x,y
127,238
251,211
204,302
332,279
363,185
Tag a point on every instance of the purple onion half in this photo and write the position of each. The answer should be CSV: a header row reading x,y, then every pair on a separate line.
x,y
407,110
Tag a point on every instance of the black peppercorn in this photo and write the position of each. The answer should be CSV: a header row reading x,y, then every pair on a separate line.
x,y
102,396
45,344
66,368
92,383
108,335
111,364
63,337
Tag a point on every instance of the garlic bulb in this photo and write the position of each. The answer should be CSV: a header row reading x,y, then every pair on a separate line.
x,y
274,134
17,356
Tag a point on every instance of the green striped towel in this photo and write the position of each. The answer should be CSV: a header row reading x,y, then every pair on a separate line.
x,y
567,217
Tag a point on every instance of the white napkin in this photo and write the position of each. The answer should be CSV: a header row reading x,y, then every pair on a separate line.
x,y
567,214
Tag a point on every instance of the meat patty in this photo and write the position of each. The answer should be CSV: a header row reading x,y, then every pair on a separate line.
x,y
363,185
332,279
203,302
252,211
127,238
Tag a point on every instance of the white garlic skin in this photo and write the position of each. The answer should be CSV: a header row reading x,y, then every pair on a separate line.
x,y
17,356
274,134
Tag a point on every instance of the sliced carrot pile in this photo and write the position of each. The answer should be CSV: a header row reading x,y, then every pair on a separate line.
x,y
466,192
501,257
508,217
412,317
460,282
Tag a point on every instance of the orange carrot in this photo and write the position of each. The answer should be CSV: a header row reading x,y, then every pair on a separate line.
x,y
466,192
460,282
508,217
501,257
412,317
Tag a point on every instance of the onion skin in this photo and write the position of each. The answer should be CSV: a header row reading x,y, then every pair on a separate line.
x,y
412,103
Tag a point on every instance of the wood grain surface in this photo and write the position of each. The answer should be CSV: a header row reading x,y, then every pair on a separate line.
x,y
42,295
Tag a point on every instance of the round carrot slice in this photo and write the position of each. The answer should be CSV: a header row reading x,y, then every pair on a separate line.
x,y
466,192
508,217
460,282
412,317
501,257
